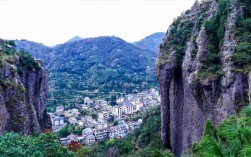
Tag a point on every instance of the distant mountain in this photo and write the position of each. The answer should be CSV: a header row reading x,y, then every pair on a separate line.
x,y
38,50
76,38
151,42
95,67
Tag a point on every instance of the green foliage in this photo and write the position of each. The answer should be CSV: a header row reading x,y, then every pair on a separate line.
x,y
113,100
111,119
84,151
151,42
96,68
26,61
13,145
115,123
150,130
94,115
111,142
215,29
153,152
210,129
83,112
242,56
180,32
12,43
232,138
67,130
7,53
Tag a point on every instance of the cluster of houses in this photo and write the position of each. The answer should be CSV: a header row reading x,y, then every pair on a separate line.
x,y
102,126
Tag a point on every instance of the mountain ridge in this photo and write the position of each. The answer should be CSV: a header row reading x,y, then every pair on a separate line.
x,y
96,65
75,38
151,42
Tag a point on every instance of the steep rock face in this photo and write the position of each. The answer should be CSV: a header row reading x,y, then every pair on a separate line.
x,y
23,92
197,73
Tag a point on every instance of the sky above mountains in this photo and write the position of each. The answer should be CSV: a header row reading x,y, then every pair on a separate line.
x,y
53,22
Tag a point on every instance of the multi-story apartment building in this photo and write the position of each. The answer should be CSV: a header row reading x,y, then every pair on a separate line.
x,y
118,131
104,115
101,134
117,111
128,108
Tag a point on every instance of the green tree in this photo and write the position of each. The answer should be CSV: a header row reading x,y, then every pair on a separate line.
x,y
13,144
94,115
84,112
115,123
232,138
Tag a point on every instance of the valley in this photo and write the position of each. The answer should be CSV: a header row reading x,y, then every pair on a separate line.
x,y
97,121
186,92
100,67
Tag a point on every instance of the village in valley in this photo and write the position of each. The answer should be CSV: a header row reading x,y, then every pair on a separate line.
x,y
97,120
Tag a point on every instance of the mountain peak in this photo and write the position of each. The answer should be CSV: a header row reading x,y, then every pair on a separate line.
x,y
76,38
151,42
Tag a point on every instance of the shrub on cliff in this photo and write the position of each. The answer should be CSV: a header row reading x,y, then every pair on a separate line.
x,y
26,62
242,56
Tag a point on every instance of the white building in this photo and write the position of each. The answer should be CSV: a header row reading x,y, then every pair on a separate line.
x,y
117,111
71,113
75,111
107,107
90,123
88,136
57,121
139,105
120,100
87,131
129,96
104,115
118,131
89,140
88,101
101,124
73,120
133,125
60,109
101,102
101,134
65,141
128,108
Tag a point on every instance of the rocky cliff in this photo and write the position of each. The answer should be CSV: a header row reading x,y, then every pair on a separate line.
x,y
23,91
203,69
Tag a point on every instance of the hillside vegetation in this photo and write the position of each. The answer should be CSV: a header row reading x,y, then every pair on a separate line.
x,y
94,67
16,145
151,42
232,138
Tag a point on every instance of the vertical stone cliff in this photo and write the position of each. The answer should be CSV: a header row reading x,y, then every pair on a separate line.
x,y
23,92
199,76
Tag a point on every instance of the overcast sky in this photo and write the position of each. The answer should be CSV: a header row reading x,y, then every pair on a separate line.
x,y
53,22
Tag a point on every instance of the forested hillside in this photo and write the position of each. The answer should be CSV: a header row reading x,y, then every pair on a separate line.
x,y
94,67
